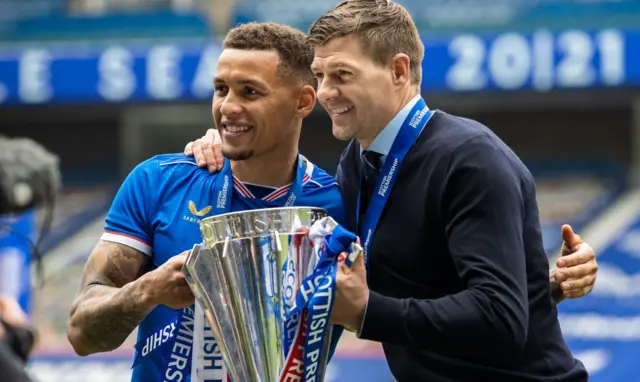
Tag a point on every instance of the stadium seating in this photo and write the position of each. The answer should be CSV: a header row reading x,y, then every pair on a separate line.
x,y
13,10
573,194
64,19
458,15
603,329
122,26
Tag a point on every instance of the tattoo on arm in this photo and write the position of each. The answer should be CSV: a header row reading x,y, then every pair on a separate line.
x,y
109,304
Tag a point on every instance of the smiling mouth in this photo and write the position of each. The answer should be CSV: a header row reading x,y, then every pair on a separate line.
x,y
236,129
341,110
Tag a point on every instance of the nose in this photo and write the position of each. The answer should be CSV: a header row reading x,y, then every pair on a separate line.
x,y
326,91
230,105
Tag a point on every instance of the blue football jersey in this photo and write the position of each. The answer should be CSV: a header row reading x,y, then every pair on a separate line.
x,y
157,211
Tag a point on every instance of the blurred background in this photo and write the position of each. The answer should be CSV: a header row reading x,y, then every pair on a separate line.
x,y
101,85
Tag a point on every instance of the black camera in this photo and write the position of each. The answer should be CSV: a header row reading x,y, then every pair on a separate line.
x,y
29,175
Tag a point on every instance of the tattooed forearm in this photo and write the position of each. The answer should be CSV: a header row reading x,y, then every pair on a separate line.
x,y
112,299
107,316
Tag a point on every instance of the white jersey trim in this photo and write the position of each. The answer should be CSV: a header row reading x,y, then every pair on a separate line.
x,y
128,240
310,166
179,162
316,183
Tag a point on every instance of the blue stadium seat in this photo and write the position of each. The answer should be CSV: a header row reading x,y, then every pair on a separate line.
x,y
128,25
290,12
12,10
575,194
457,15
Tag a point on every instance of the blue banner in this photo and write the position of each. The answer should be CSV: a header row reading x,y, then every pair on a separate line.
x,y
539,61
111,73
183,71
603,328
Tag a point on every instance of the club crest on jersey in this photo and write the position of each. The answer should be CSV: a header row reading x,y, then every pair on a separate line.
x,y
195,214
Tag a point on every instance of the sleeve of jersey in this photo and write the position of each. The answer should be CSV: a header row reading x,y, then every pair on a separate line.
x,y
325,193
128,221
333,202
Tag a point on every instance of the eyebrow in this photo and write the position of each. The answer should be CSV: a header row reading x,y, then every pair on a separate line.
x,y
244,82
334,65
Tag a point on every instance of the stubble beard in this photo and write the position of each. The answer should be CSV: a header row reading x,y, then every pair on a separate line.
x,y
342,133
237,155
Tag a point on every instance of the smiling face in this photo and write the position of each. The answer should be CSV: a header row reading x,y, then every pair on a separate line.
x,y
353,88
253,108
368,57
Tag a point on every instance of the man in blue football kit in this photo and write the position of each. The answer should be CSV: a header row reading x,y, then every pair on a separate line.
x,y
133,278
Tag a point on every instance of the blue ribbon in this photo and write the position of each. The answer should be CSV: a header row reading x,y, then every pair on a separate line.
x,y
222,204
409,132
316,294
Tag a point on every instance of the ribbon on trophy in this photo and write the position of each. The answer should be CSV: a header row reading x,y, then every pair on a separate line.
x,y
307,320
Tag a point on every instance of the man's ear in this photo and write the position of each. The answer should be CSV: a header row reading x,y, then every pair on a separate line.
x,y
401,68
306,101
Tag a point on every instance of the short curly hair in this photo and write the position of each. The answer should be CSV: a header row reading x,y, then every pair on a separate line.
x,y
296,54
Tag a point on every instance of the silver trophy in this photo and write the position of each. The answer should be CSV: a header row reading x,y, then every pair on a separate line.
x,y
246,275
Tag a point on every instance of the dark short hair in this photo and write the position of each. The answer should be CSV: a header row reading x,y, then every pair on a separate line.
x,y
383,27
294,51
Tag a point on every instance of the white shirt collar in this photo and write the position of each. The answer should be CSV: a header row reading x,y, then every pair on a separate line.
x,y
385,138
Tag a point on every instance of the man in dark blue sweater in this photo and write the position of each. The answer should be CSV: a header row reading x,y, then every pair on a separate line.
x,y
454,281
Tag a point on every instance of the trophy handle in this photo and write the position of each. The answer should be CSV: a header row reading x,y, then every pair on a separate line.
x,y
356,251
188,271
191,258
355,247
